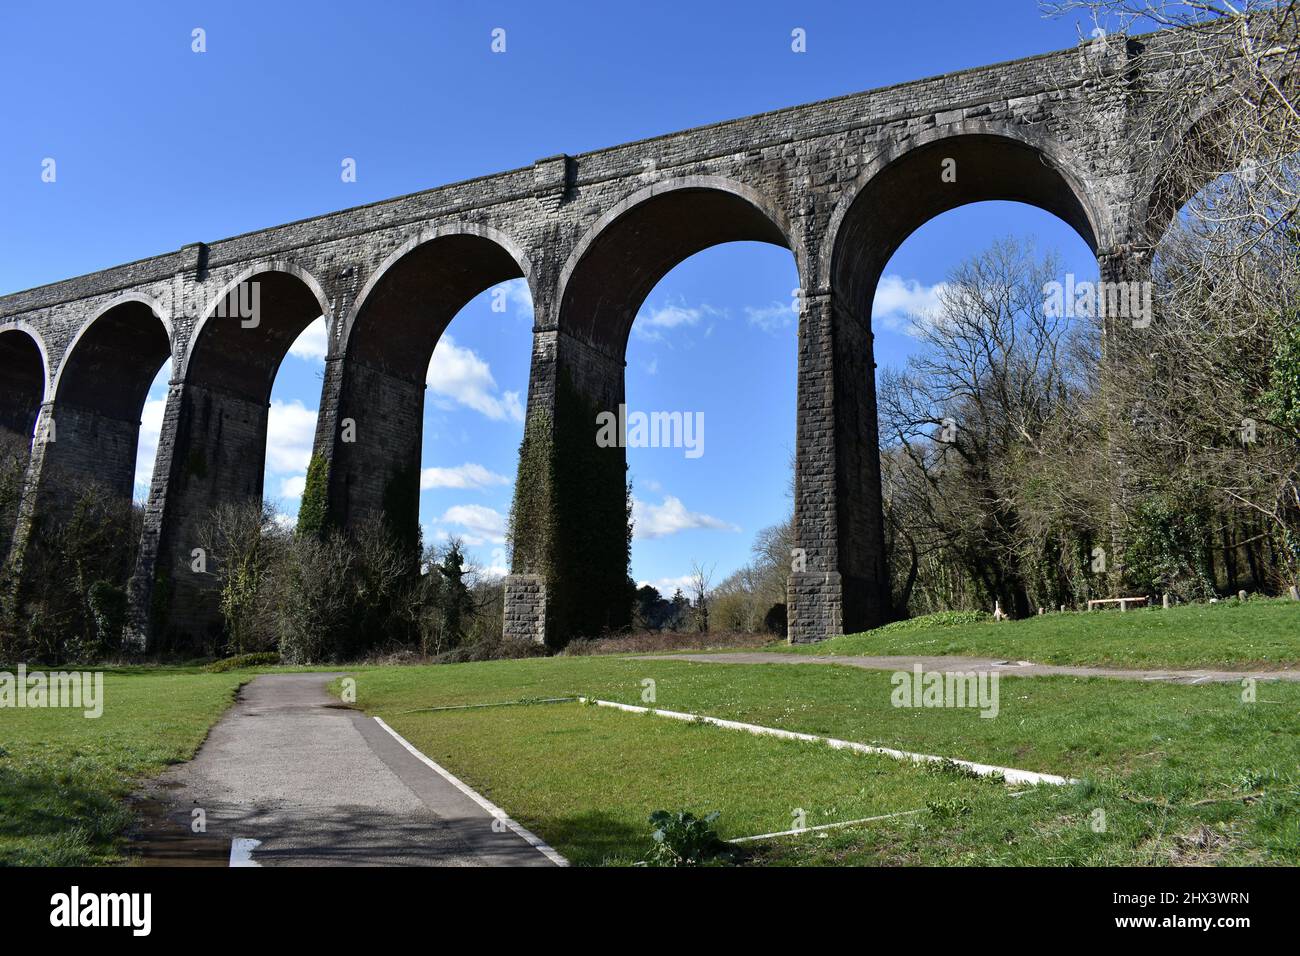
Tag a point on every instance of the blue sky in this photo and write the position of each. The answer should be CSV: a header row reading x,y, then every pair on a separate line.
x,y
157,146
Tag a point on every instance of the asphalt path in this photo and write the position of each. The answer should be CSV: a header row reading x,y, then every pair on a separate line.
x,y
316,783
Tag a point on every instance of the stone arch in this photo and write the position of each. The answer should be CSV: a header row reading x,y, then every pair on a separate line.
x,y
113,358
483,250
387,340
571,564
621,258
1183,164
214,441
99,391
901,190
235,353
839,519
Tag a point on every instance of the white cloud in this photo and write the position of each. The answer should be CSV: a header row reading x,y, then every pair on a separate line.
x,y
651,323
313,344
771,318
666,586
899,301
518,296
293,486
290,433
495,567
147,449
671,316
459,374
669,517
466,476
482,523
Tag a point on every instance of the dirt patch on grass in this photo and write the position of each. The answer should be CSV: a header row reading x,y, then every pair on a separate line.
x,y
1204,846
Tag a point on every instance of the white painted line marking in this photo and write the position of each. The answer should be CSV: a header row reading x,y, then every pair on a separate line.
x,y
1010,774
531,838
825,826
241,852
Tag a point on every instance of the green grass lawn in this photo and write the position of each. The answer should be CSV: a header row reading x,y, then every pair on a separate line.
x,y
63,777
1184,774
593,775
1229,635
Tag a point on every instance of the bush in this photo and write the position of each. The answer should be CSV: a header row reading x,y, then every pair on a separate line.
x,y
491,650
244,544
71,602
310,599
262,659
938,619
108,605
1164,554
682,839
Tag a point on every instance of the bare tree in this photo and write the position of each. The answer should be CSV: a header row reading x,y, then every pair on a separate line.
x,y
987,407
1219,92
701,581
1205,397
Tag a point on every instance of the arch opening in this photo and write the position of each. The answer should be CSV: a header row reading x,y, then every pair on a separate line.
x,y
912,190
1217,438
22,384
986,394
100,394
628,257
715,343
78,536
219,439
248,331
22,389
604,287
398,328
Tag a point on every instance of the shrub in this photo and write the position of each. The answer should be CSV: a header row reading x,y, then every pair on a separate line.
x,y
310,599
938,619
71,604
244,543
261,659
107,604
682,839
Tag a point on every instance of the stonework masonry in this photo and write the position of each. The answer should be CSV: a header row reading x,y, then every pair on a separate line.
x,y
840,183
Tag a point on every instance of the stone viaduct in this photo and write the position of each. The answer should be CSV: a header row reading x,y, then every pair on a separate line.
x,y
840,183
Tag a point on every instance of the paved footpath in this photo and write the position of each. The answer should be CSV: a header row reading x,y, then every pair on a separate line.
x,y
1010,668
320,784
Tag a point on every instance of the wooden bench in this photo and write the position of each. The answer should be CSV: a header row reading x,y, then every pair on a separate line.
x,y
1123,602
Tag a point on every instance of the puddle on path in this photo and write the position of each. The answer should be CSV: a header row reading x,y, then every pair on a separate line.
x,y
158,839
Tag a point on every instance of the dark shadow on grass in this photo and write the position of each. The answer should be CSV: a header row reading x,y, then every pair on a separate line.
x,y
72,824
